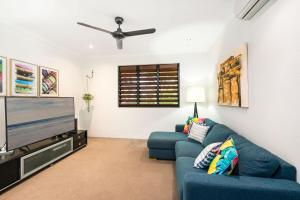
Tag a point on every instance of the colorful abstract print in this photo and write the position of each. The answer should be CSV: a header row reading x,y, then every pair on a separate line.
x,y
49,82
1,76
226,159
25,79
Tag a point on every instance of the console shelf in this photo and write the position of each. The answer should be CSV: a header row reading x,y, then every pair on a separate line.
x,y
22,164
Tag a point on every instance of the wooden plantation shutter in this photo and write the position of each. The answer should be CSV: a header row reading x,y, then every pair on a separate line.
x,y
149,85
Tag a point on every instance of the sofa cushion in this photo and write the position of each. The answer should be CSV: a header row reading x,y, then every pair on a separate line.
x,y
188,149
189,121
285,171
210,123
183,166
218,133
204,159
179,128
198,132
164,140
254,160
226,159
162,154
199,186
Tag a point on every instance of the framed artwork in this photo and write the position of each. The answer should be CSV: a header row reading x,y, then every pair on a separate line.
x,y
3,66
233,79
24,78
49,82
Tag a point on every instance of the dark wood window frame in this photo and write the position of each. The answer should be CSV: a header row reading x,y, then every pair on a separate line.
x,y
154,85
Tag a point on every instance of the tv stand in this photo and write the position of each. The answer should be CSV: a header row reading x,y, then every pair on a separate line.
x,y
25,149
23,163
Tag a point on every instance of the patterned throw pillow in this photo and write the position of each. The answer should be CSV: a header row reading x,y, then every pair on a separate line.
x,y
188,122
204,159
225,160
198,132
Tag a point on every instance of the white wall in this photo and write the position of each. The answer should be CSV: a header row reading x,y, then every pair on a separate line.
x,y
272,119
108,120
23,45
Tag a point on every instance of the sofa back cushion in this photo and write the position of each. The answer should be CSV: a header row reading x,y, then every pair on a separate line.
x,y
210,123
254,160
218,133
285,171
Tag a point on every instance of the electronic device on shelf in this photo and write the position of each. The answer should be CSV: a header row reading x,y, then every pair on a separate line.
x,y
29,120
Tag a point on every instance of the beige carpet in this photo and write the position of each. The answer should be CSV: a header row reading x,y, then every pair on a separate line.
x,y
106,169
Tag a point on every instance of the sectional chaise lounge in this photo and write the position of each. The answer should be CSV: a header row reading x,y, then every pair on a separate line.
x,y
259,175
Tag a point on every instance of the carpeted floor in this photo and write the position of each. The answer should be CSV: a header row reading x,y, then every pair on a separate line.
x,y
106,169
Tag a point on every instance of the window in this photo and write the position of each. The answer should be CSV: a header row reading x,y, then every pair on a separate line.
x,y
149,85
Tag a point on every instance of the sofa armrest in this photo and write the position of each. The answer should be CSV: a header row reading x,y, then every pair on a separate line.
x,y
206,187
179,127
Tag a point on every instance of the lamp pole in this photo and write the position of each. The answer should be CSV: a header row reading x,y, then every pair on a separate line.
x,y
195,111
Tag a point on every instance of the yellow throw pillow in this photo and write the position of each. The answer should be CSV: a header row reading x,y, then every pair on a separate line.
x,y
225,160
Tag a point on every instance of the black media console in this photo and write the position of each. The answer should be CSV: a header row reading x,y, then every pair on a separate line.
x,y
23,163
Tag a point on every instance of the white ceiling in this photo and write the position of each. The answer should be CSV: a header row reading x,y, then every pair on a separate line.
x,y
183,26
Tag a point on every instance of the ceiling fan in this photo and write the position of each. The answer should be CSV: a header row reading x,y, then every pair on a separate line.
x,y
119,35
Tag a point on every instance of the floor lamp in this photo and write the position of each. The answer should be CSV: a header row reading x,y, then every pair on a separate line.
x,y
195,94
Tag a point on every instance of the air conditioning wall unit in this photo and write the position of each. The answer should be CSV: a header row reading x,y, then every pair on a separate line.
x,y
246,9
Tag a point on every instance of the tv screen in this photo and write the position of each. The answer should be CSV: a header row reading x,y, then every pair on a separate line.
x,y
30,120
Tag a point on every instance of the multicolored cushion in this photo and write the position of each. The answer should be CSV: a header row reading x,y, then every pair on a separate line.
x,y
204,159
225,160
189,121
186,126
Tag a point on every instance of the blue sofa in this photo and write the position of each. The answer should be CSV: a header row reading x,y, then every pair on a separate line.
x,y
259,175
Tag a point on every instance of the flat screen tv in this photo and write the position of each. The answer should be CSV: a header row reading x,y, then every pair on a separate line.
x,y
29,120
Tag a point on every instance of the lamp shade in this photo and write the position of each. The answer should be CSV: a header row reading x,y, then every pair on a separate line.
x,y
195,94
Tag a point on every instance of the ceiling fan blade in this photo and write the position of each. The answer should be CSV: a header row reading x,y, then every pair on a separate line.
x,y
119,44
94,27
140,32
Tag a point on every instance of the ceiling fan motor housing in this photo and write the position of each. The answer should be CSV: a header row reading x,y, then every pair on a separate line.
x,y
118,34
119,20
